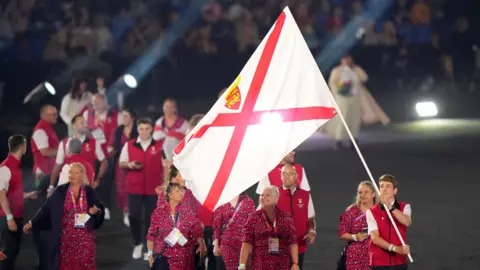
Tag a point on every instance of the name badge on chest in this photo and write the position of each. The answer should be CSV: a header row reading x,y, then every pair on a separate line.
x,y
174,237
273,245
81,220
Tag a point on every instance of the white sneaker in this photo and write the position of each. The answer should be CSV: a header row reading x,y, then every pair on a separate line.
x,y
145,256
107,214
137,252
126,221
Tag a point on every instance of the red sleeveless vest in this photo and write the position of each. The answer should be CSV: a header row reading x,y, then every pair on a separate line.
x,y
379,256
45,164
297,206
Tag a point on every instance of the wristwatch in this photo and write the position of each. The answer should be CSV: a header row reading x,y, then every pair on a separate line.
x,y
241,267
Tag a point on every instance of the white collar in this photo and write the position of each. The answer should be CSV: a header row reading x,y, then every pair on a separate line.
x,y
149,141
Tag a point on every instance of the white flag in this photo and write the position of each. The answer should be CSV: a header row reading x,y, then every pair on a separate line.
x,y
279,99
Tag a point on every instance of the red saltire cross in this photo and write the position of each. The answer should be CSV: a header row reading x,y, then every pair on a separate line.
x,y
248,116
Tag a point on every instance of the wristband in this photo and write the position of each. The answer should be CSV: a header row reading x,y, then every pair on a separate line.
x,y
9,217
390,247
312,231
150,253
354,237
294,263
241,266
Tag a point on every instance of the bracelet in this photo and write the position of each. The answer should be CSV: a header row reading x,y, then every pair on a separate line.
x,y
354,237
294,263
9,217
394,249
241,266
150,253
390,247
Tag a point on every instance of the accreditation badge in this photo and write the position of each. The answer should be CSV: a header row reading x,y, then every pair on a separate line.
x,y
273,245
174,237
81,220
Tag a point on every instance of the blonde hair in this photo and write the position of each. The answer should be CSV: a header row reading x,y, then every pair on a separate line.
x,y
356,200
82,169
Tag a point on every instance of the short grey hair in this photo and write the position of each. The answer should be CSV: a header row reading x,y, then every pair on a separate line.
x,y
288,165
273,189
74,146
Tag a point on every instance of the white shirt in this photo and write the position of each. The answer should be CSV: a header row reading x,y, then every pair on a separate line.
x,y
98,133
124,157
40,138
71,107
348,74
372,223
170,143
61,153
64,175
5,176
265,181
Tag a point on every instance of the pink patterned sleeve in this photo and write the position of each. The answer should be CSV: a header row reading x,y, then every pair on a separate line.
x,y
345,223
249,229
217,223
290,230
197,230
154,225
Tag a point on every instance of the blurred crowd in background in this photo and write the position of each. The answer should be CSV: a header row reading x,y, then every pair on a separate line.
x,y
416,44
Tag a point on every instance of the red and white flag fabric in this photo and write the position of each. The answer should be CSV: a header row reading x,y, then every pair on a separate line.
x,y
278,100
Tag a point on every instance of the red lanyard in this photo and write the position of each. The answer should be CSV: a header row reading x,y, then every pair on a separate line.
x,y
270,225
175,219
80,199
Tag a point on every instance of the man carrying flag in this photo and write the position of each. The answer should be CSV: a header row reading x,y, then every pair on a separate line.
x,y
278,100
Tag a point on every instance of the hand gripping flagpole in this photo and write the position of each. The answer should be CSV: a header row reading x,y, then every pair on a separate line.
x,y
368,171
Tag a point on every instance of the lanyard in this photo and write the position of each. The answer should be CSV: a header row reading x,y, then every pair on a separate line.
x,y
359,217
175,219
270,225
79,199
230,221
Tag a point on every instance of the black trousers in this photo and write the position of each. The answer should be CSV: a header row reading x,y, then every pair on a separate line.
x,y
11,242
43,184
396,267
220,263
160,263
138,204
199,263
106,183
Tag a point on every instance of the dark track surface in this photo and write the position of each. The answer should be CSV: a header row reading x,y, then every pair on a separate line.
x,y
438,177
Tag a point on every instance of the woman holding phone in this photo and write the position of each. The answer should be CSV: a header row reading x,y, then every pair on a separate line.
x,y
141,157
353,228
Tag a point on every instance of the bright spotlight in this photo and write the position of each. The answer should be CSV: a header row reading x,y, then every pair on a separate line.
x,y
130,81
426,109
271,118
50,88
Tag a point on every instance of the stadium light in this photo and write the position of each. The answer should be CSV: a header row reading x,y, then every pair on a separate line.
x,y
49,88
270,118
130,81
426,109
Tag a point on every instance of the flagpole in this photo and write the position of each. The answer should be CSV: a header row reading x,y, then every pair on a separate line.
x,y
368,171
